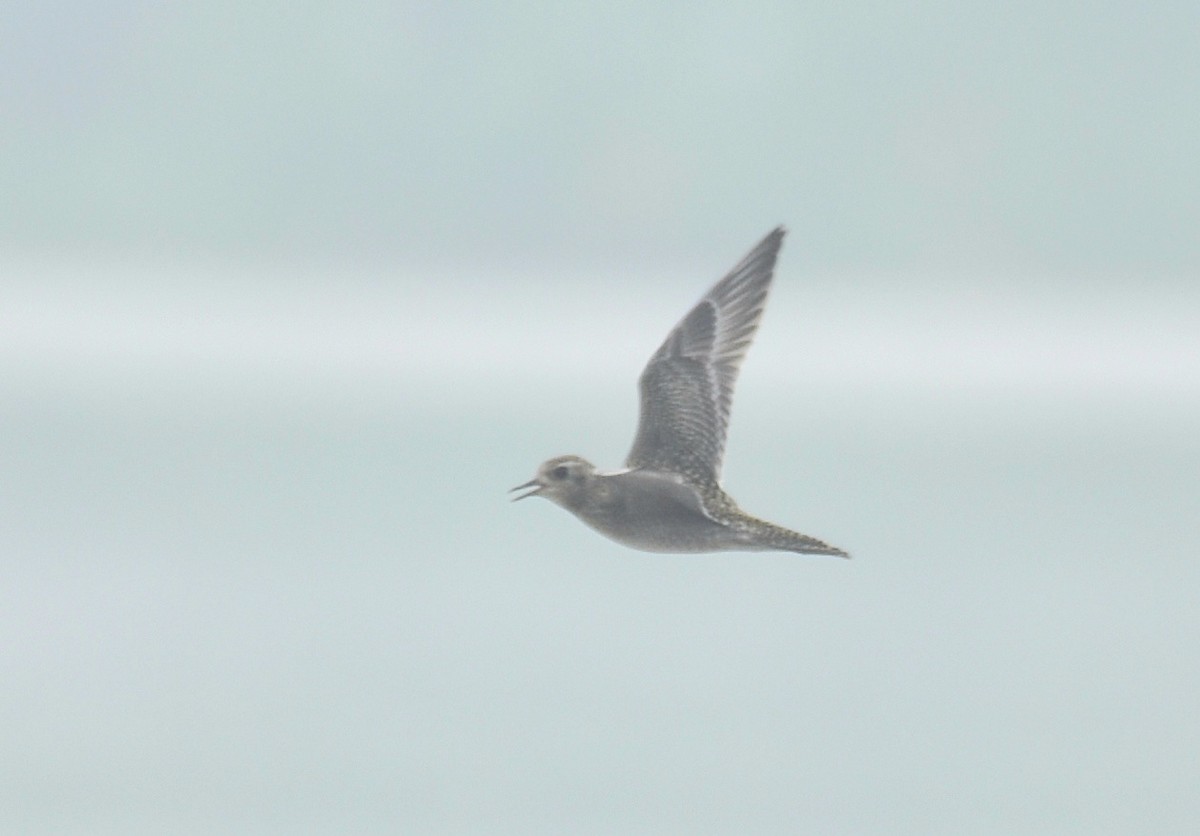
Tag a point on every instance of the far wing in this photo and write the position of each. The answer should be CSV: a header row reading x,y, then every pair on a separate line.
x,y
687,387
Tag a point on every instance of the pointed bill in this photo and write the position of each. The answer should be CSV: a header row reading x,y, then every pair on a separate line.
x,y
532,483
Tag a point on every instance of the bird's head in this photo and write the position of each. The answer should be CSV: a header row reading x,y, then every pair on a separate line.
x,y
560,480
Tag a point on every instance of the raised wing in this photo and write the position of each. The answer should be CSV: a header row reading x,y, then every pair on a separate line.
x,y
687,387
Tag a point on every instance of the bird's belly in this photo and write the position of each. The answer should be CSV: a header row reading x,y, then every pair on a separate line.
x,y
671,529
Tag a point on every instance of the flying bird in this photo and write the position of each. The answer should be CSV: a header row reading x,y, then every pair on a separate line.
x,y
669,497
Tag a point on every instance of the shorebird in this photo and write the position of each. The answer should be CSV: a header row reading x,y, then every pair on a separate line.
x,y
669,497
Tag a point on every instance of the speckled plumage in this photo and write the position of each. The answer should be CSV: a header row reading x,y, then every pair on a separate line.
x,y
670,498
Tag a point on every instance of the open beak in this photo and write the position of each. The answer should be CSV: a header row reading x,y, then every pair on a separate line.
x,y
532,483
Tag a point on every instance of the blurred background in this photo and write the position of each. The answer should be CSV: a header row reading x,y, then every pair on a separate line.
x,y
290,294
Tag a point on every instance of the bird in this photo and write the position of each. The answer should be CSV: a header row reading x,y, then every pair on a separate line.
x,y
669,498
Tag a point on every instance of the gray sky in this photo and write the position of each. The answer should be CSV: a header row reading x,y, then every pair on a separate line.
x,y
291,293
1058,136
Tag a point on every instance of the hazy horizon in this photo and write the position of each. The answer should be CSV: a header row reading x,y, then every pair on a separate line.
x,y
290,296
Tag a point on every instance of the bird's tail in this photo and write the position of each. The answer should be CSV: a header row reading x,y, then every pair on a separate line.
x,y
777,537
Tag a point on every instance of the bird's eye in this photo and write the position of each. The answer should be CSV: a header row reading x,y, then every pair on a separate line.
x,y
559,472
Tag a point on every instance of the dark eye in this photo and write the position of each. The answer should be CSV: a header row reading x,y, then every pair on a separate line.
x,y
559,472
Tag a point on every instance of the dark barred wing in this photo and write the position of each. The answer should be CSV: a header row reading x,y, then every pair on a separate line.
x,y
687,387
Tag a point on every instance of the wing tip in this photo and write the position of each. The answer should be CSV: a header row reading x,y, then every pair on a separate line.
x,y
766,251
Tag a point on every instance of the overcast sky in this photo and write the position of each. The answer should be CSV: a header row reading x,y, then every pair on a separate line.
x,y
291,292
1057,136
